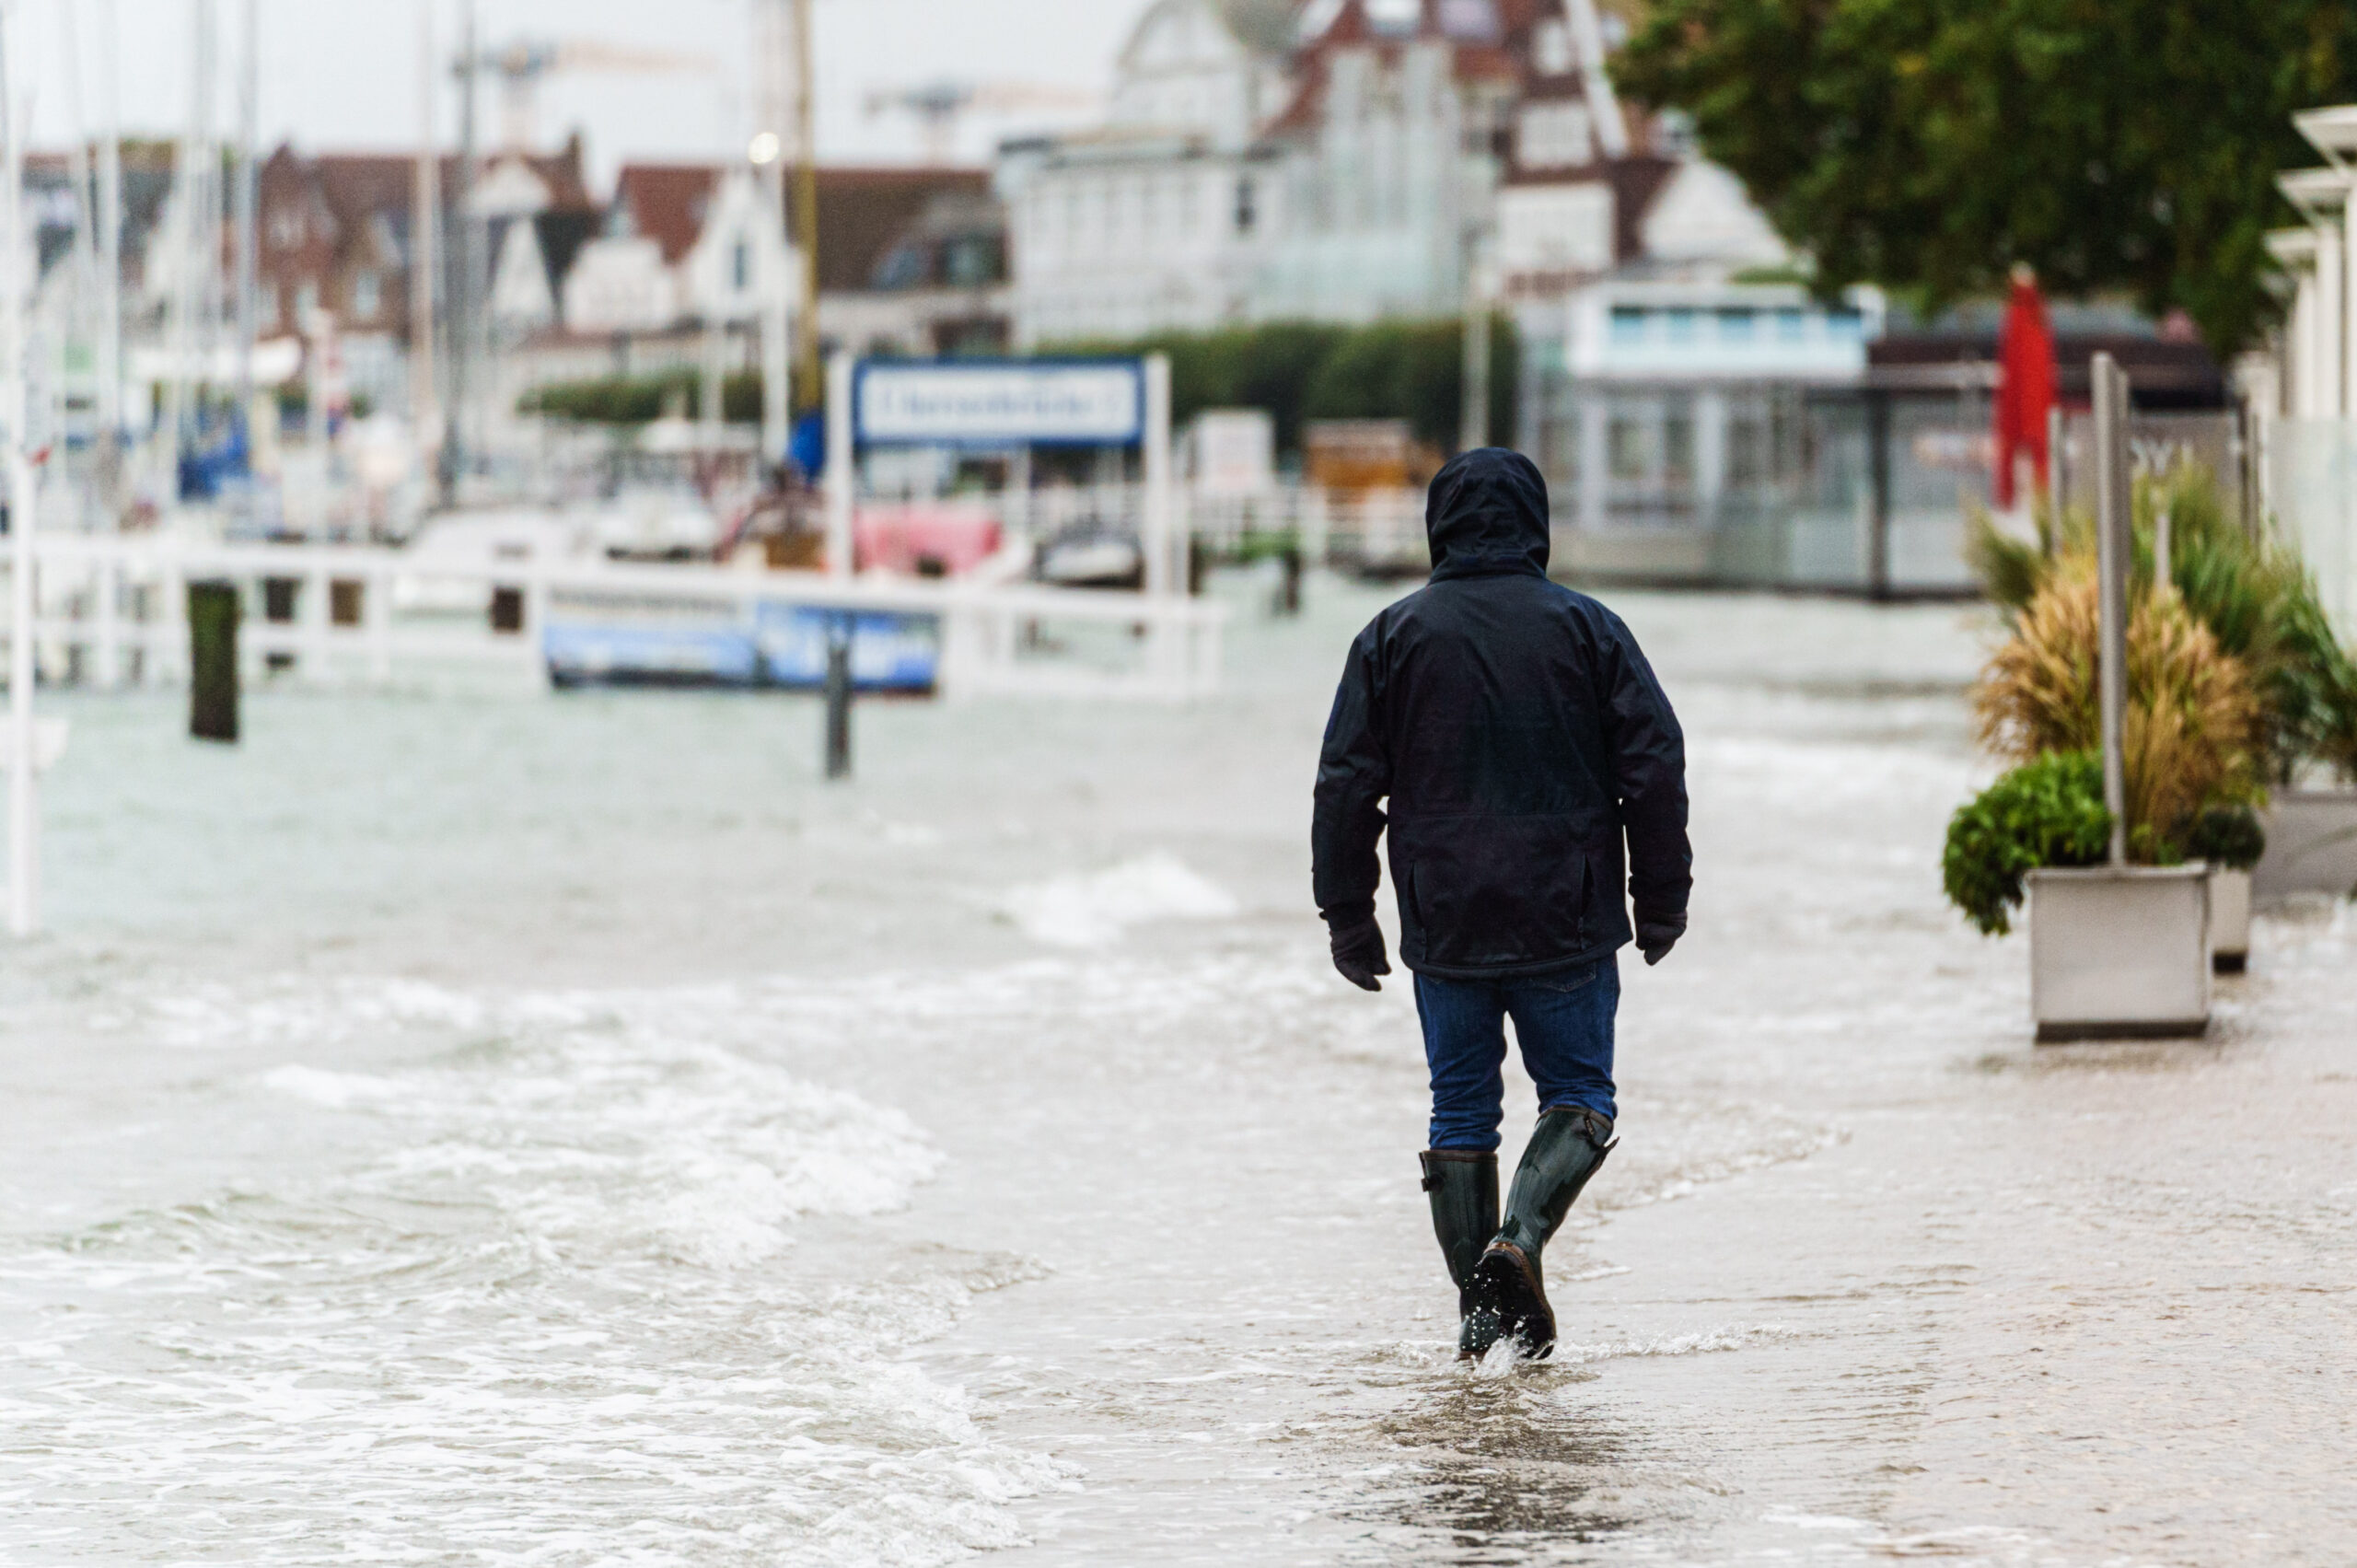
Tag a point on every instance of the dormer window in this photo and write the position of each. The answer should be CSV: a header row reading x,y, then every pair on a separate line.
x,y
1551,49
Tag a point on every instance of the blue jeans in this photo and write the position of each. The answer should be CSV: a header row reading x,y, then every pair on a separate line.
x,y
1563,1024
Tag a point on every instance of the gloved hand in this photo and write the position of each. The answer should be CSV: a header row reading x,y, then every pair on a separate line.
x,y
1358,952
1657,934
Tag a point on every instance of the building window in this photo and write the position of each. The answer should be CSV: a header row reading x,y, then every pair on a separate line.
x,y
367,297
1556,135
1685,325
1553,49
1628,326
1792,325
1738,326
974,260
307,304
1747,452
1845,325
1246,205
1631,445
1678,450
905,266
741,267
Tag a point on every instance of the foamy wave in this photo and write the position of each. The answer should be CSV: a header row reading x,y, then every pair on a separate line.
x,y
565,1310
1092,911
1708,1343
592,1140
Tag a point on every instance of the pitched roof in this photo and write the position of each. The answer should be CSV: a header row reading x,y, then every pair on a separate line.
x,y
1270,27
665,202
864,212
1498,59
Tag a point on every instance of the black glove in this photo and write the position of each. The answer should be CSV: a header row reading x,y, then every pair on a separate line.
x,y
1358,952
1657,934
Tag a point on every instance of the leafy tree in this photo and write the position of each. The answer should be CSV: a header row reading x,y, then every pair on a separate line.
x,y
2117,145
1304,370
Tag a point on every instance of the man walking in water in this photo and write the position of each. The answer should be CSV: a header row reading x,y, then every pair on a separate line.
x,y
1521,739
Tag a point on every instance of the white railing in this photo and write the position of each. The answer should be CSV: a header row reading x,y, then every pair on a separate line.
x,y
1371,529
114,612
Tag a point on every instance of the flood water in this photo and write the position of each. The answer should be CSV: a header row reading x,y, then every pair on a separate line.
x,y
467,1129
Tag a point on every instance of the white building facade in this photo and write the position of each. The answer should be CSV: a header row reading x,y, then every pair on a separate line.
x,y
1162,218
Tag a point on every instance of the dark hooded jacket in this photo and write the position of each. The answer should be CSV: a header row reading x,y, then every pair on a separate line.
x,y
1521,741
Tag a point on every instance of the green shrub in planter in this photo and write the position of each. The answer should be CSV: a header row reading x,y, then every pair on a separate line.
x,y
2227,836
2045,813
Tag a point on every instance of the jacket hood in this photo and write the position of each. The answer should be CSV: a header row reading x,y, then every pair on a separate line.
x,y
1486,517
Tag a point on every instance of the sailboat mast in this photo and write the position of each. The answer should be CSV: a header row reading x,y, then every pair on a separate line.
x,y
110,227
16,408
424,248
248,195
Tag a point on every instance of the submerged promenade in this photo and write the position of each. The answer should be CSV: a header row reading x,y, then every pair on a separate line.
x,y
563,1128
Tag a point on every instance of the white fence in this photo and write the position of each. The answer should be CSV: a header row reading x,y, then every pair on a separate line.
x,y
114,612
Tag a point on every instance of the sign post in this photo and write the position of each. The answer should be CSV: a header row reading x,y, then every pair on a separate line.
x,y
2113,499
1164,573
841,470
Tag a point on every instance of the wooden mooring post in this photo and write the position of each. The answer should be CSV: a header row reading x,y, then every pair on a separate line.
x,y
839,693
212,660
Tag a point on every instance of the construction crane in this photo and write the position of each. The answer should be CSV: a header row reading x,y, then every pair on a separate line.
x,y
521,65
941,107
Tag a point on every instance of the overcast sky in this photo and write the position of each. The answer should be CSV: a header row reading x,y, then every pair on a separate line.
x,y
342,73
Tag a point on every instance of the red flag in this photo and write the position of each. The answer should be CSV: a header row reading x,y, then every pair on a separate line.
x,y
2024,384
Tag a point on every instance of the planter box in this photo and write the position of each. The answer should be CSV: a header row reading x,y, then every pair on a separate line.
x,y
2119,954
2311,844
2230,920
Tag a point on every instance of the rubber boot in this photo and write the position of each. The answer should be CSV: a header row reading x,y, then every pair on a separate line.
x,y
1463,1187
1508,1295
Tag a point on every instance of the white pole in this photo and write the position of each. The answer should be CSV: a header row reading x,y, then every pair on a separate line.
x,y
2299,345
714,377
111,233
86,291
2333,287
24,870
2344,387
249,174
843,469
207,211
2113,481
425,251
1163,576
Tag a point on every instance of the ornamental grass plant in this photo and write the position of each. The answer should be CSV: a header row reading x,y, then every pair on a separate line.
x,y
2254,595
2194,732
